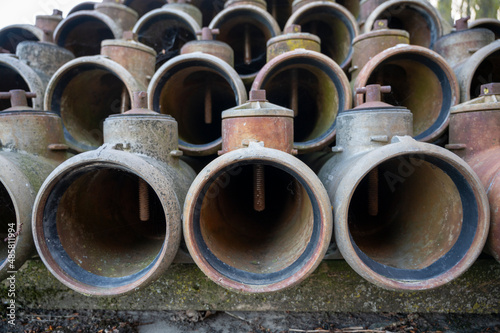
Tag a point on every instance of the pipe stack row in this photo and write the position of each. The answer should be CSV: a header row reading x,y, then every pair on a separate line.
x,y
254,139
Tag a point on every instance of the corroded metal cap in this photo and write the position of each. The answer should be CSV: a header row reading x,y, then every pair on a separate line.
x,y
373,98
208,45
258,121
259,3
489,99
18,99
293,38
129,40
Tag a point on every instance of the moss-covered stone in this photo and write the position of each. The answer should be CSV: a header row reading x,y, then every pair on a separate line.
x,y
333,287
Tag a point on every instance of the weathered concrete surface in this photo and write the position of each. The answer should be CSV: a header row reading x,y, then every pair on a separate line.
x,y
334,287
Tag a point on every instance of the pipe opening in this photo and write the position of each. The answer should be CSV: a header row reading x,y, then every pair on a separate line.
x,y
334,29
250,246
11,79
11,37
166,33
426,218
94,230
144,6
487,71
247,33
83,35
419,23
7,216
195,93
419,84
280,10
84,97
318,100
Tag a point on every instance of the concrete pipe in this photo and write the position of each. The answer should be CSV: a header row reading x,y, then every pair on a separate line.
x,y
84,92
487,23
408,215
257,219
332,23
83,31
246,26
422,81
315,87
166,30
418,17
32,146
474,128
144,6
108,222
480,68
16,74
195,88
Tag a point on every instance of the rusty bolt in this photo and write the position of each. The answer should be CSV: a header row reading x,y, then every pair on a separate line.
x,y
461,23
292,29
373,92
207,33
490,89
380,24
259,192
17,97
140,100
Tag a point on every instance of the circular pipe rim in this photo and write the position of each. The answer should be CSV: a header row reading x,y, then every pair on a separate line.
x,y
351,179
425,5
285,162
340,81
432,56
352,27
145,168
101,62
230,75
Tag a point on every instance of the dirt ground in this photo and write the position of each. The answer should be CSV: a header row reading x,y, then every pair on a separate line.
x,y
32,321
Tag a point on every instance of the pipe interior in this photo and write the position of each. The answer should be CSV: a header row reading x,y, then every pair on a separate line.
x,y
487,71
188,94
7,216
11,79
248,240
417,84
144,6
317,98
417,22
281,10
83,35
234,28
84,97
98,226
334,30
11,37
209,9
166,33
419,216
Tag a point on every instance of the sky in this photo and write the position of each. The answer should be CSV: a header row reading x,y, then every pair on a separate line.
x,y
25,11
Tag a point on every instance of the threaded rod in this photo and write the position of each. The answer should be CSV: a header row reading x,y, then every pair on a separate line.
x,y
259,191
143,200
373,192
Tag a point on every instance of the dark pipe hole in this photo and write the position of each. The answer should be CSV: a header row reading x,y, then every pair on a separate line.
x,y
84,97
7,216
258,242
488,71
419,215
166,34
11,79
83,36
99,226
184,97
11,37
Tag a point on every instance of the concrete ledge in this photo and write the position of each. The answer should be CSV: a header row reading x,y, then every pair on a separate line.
x,y
334,287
